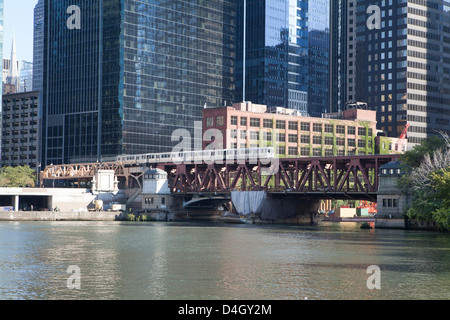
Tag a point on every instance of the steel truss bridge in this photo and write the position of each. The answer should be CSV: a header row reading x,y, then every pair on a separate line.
x,y
323,177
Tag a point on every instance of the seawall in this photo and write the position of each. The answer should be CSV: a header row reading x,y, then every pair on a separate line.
x,y
58,216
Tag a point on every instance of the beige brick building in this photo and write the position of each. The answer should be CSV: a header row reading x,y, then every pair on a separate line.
x,y
247,125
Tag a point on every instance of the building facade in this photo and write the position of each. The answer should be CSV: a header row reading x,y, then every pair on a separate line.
x,y
20,130
246,125
402,66
38,46
131,73
284,59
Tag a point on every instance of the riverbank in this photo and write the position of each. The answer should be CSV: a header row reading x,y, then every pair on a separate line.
x,y
58,216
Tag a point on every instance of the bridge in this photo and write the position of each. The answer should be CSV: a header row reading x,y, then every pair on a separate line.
x,y
318,177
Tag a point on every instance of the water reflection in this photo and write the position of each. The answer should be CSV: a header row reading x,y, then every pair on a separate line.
x,y
218,261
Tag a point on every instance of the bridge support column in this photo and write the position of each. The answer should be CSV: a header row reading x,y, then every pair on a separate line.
x,y
290,210
16,203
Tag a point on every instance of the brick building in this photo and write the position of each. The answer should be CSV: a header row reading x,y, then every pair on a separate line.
x,y
247,125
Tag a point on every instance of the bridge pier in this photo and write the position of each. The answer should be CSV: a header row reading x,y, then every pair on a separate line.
x,y
286,209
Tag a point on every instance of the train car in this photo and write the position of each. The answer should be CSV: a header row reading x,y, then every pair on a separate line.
x,y
198,156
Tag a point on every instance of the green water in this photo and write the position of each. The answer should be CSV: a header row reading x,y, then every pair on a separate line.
x,y
183,261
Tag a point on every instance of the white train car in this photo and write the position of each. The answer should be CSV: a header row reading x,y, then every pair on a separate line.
x,y
198,156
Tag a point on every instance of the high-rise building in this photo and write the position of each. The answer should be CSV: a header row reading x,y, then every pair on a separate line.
x,y
399,59
13,77
38,46
342,53
20,130
26,76
286,58
121,76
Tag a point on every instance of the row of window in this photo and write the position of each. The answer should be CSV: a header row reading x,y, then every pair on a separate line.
x,y
152,201
304,139
307,151
390,203
292,125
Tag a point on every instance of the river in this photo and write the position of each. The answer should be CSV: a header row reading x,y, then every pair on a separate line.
x,y
216,261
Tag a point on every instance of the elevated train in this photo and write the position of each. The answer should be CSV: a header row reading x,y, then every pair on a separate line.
x,y
196,156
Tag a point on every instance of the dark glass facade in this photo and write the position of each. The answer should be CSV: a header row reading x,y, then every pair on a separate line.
x,y
287,54
135,72
338,55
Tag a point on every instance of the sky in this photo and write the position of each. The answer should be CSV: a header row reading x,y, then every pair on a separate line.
x,y
19,17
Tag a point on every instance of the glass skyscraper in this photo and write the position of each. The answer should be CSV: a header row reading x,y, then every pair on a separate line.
x,y
132,73
286,54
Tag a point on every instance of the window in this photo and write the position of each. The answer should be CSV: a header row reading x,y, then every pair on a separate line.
x,y
340,129
361,143
329,128
329,141
304,152
268,123
209,121
244,121
384,202
340,142
255,122
281,150
293,125
163,200
317,140
281,137
351,130
293,138
293,151
305,126
305,139
317,152
351,142
219,121
267,136
243,134
317,127
254,135
281,124
361,131
234,120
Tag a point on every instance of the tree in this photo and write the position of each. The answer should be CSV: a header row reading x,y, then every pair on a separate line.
x,y
13,177
427,179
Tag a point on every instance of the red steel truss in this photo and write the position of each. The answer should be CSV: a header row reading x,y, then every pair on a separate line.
x,y
328,174
316,174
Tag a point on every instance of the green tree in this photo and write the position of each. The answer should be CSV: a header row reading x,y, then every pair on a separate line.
x,y
427,180
13,177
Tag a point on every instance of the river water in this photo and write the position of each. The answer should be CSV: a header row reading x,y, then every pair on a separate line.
x,y
212,261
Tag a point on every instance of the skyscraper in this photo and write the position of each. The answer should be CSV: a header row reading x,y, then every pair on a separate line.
x,y
401,63
286,54
13,77
121,76
38,46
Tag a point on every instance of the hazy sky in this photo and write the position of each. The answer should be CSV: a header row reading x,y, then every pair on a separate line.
x,y
19,16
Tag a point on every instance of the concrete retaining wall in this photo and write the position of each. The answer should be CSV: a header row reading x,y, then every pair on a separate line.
x,y
58,216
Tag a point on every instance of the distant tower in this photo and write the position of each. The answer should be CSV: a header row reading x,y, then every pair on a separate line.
x,y
13,74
